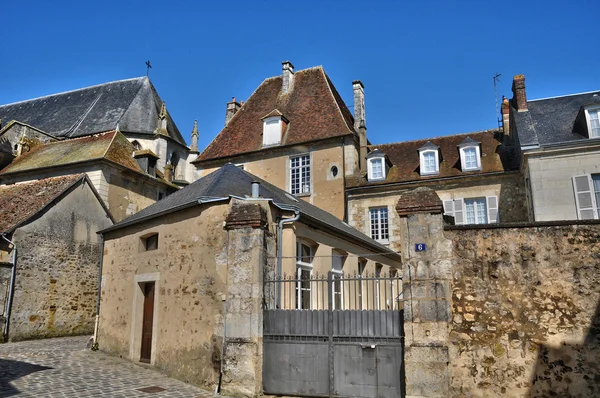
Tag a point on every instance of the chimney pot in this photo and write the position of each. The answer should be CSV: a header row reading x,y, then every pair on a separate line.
x,y
232,108
255,189
519,93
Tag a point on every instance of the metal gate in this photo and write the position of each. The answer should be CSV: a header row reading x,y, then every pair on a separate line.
x,y
333,336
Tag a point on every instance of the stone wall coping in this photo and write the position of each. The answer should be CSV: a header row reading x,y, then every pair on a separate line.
x,y
557,223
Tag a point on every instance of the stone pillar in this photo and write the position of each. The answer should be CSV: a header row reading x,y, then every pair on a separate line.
x,y
246,224
427,293
195,136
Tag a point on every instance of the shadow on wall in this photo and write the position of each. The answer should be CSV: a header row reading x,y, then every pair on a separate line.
x,y
512,203
573,370
12,370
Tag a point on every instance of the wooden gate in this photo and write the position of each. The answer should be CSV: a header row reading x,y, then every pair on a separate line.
x,y
349,343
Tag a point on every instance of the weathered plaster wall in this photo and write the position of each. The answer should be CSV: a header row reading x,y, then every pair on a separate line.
x,y
525,311
327,190
57,269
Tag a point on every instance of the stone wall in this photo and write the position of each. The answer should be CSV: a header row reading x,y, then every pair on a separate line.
x,y
525,311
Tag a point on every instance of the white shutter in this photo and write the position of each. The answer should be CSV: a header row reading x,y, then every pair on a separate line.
x,y
584,197
492,209
459,212
449,208
271,132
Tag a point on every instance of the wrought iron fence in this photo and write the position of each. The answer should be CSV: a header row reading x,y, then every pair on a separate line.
x,y
333,291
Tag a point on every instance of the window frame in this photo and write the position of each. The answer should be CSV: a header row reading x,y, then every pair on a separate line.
x,y
379,227
370,169
436,155
147,240
302,266
274,133
588,122
300,167
463,158
337,274
595,211
477,203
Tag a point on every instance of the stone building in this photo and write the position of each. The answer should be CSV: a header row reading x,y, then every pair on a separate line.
x,y
131,106
49,257
559,141
109,161
184,276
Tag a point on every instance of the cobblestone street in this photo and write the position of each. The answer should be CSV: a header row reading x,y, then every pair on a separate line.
x,y
63,367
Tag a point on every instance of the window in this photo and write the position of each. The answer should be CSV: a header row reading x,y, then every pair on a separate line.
x,y
482,210
593,122
587,196
379,224
272,131
149,242
300,175
136,145
362,264
376,168
470,156
304,257
429,163
377,165
337,266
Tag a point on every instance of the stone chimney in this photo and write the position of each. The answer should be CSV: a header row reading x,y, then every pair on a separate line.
x,y
232,108
519,94
362,153
505,116
169,172
288,77
359,104
194,145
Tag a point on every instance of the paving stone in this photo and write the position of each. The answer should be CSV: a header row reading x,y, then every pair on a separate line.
x,y
64,368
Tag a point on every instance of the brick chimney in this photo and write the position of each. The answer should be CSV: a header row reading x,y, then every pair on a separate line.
x,y
232,108
519,94
505,116
288,77
359,104
195,135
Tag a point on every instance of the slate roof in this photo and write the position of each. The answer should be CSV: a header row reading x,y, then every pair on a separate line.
x,y
230,180
19,202
552,120
112,146
313,108
133,105
404,156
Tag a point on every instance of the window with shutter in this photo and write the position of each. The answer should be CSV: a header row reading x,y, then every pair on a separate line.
x,y
585,197
458,212
492,209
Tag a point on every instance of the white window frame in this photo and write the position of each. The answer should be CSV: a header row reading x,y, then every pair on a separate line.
x,y
463,158
300,267
457,209
362,266
380,231
586,203
304,187
589,124
337,273
436,154
477,203
272,131
370,172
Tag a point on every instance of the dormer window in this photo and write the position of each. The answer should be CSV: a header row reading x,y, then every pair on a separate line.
x,y
429,156
470,155
592,116
378,166
273,126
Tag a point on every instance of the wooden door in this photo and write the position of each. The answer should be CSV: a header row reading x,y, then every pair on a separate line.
x,y
147,322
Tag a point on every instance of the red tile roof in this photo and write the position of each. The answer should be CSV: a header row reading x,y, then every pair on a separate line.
x,y
314,109
19,202
404,157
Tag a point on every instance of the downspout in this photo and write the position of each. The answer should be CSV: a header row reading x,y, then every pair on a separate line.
x,y
11,287
99,289
280,254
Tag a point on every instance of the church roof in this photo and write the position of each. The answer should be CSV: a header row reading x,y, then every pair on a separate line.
x,y
313,107
112,146
131,106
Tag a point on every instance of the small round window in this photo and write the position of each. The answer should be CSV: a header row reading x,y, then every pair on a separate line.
x,y
334,171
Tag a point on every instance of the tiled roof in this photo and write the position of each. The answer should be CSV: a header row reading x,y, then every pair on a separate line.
x,y
132,105
112,146
552,120
230,180
19,202
404,156
314,109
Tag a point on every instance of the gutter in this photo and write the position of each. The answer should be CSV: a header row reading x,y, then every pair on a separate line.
x,y
296,217
99,289
11,287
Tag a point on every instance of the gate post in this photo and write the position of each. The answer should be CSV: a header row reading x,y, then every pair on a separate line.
x,y
248,243
427,293
330,322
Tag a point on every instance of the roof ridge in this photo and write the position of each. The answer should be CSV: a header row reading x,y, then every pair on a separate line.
x,y
112,140
565,95
74,90
438,137
331,87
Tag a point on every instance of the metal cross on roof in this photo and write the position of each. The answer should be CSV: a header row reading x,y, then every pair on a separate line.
x,y
148,67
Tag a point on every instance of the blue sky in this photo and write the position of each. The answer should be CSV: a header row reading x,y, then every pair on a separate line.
x,y
427,66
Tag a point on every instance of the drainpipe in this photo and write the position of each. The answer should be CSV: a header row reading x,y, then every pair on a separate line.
x,y
11,286
99,289
280,254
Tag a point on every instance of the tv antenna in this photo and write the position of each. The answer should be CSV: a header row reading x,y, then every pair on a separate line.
x,y
148,67
497,79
